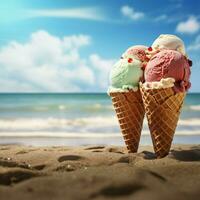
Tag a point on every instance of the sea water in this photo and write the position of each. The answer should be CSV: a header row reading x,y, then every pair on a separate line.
x,y
78,119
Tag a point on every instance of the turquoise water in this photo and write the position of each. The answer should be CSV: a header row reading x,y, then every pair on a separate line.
x,y
77,115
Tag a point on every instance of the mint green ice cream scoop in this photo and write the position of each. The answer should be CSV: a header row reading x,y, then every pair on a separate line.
x,y
125,75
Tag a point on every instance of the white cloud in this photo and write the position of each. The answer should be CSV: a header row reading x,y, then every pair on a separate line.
x,y
130,12
90,13
195,45
192,25
47,63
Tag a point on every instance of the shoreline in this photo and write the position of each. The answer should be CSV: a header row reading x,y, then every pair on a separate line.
x,y
77,141
98,172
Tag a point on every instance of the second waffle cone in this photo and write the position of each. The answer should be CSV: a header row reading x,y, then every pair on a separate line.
x,y
162,108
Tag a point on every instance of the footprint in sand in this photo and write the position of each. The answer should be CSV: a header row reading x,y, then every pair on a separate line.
x,y
69,157
39,167
186,155
22,152
114,150
124,159
9,163
148,155
95,147
15,176
121,190
5,148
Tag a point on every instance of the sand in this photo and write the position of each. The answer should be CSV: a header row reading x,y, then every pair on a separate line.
x,y
98,172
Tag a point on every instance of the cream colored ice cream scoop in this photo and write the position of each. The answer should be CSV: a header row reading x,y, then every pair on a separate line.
x,y
171,42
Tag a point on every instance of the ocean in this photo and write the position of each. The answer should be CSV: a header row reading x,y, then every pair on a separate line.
x,y
79,119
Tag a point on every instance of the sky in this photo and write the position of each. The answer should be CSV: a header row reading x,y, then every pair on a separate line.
x,y
71,45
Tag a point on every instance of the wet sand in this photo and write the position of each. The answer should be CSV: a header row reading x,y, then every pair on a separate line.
x,y
98,172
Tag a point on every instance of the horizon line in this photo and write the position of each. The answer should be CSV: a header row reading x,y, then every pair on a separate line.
x,y
67,92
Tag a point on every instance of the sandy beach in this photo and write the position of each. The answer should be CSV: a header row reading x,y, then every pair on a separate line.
x,y
98,172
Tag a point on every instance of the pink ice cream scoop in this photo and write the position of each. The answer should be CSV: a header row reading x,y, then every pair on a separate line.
x,y
169,64
138,51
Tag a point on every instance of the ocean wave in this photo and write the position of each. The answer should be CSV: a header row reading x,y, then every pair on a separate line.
x,y
82,135
39,123
189,122
96,107
195,107
85,124
72,107
59,107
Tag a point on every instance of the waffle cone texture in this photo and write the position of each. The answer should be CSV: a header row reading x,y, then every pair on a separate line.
x,y
162,107
130,113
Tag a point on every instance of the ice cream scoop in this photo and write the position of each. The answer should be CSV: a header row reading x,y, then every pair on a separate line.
x,y
137,52
128,71
171,42
125,74
169,64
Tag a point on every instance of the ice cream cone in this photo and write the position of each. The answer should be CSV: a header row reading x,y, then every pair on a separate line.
x,y
130,113
162,107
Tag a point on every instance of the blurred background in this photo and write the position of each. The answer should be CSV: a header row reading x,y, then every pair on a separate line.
x,y
55,58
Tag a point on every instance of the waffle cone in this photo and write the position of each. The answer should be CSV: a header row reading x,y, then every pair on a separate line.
x,y
130,113
162,107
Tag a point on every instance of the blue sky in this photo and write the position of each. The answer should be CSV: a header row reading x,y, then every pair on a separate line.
x,y
70,45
